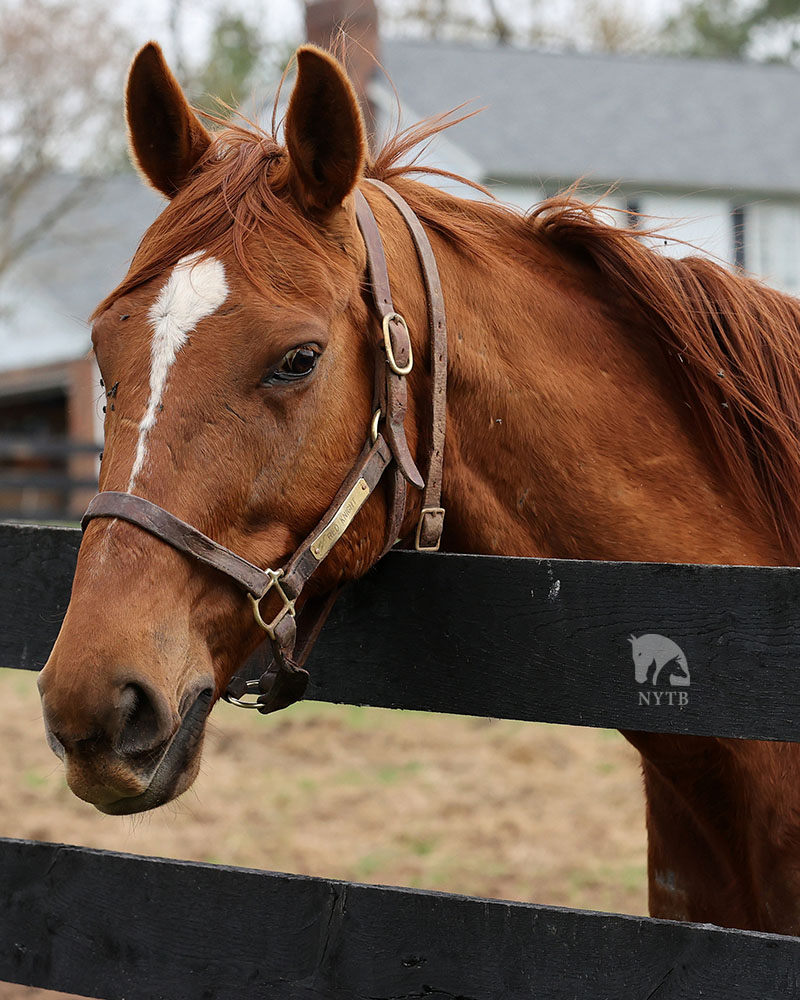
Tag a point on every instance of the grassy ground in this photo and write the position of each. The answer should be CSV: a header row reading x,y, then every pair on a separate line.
x,y
513,810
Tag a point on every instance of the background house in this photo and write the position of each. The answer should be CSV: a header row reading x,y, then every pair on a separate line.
x,y
711,149
51,402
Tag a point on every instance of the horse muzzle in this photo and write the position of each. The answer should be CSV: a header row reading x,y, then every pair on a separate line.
x,y
125,777
176,769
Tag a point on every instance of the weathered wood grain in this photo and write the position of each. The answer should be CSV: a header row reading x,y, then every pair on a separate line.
x,y
36,570
124,928
530,639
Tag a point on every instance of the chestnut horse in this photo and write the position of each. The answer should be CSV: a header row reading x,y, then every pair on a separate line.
x,y
605,402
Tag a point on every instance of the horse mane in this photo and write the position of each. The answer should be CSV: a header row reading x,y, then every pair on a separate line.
x,y
733,343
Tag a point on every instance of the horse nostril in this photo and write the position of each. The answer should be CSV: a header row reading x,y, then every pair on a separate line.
x,y
146,722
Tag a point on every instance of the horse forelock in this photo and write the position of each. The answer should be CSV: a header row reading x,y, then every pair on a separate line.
x,y
239,200
238,205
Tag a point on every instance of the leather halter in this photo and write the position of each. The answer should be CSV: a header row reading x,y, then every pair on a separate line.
x,y
284,680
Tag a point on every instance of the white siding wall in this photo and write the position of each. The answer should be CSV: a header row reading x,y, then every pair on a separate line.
x,y
522,196
617,204
526,196
704,223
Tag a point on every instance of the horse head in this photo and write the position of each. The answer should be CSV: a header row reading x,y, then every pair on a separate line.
x,y
239,385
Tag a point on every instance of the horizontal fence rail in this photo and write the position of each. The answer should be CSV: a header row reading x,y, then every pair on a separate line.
x,y
531,639
24,479
46,477
24,447
127,928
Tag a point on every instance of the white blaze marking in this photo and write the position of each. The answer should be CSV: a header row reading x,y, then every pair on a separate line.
x,y
195,289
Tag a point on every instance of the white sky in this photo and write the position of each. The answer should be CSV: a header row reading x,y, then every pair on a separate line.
x,y
283,19
150,20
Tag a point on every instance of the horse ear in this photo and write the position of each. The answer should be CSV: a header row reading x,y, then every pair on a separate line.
x,y
166,136
324,132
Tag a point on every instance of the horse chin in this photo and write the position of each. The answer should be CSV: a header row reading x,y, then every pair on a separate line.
x,y
177,768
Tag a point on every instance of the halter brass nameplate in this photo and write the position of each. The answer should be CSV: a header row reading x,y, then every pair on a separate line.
x,y
333,531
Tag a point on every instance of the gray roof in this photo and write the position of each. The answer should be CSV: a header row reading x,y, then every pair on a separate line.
x,y
46,297
674,123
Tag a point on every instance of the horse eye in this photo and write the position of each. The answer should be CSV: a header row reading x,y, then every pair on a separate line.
x,y
297,363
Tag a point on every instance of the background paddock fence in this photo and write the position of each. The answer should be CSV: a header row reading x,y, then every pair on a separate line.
x,y
539,640
46,477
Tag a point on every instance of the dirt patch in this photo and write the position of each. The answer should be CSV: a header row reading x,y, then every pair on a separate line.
x,y
514,810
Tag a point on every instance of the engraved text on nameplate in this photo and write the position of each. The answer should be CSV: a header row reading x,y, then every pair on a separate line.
x,y
333,531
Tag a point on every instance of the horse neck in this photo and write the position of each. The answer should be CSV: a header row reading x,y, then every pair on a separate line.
x,y
566,435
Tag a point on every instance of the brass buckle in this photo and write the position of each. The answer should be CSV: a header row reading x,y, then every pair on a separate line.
x,y
387,343
288,603
428,548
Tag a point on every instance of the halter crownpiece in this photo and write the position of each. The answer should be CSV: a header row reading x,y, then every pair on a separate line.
x,y
284,680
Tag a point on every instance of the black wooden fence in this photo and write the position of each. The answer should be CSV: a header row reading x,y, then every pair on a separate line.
x,y
526,639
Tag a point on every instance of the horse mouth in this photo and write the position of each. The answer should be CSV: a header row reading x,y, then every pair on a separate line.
x,y
165,783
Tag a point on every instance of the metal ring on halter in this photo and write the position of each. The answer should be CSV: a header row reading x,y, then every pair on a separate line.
x,y
376,419
251,687
387,343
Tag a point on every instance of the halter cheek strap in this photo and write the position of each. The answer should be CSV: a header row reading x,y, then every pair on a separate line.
x,y
431,520
284,680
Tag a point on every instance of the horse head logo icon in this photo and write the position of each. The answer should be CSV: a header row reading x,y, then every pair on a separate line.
x,y
658,652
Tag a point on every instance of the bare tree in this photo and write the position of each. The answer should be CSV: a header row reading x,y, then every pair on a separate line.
x,y
596,25
61,70
611,26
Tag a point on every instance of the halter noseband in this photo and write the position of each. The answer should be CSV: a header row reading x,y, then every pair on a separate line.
x,y
284,680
